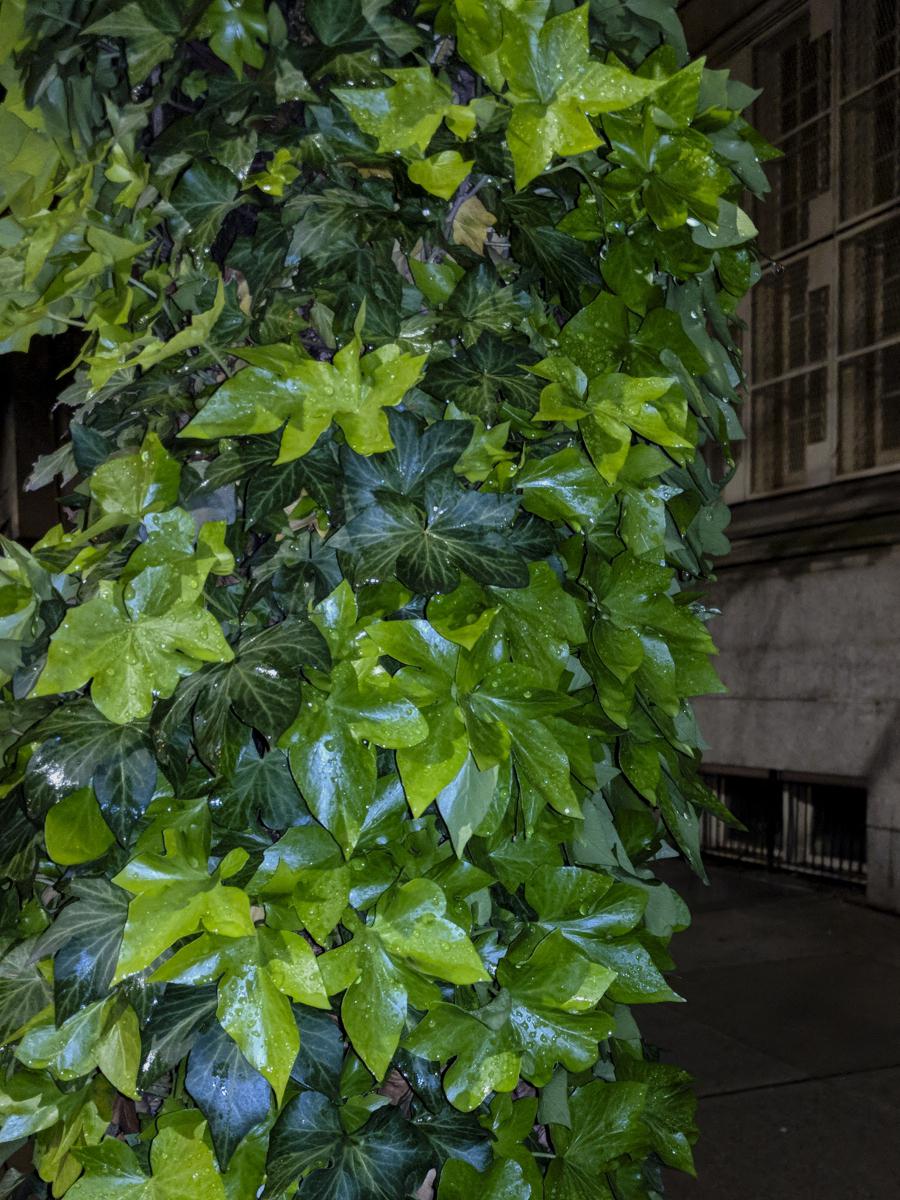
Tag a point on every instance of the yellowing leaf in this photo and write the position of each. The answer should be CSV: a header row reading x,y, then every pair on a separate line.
x,y
471,223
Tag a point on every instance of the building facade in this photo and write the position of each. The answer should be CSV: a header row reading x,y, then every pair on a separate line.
x,y
806,745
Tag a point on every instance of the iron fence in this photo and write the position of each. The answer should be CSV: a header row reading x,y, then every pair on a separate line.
x,y
817,828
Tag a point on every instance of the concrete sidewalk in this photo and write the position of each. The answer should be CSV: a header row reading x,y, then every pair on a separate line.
x,y
792,1030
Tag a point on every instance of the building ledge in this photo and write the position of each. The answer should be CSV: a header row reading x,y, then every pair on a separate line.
x,y
854,514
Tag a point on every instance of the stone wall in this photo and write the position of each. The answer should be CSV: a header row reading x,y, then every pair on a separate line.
x,y
810,652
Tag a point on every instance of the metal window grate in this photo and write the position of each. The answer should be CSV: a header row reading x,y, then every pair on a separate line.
x,y
870,45
815,828
870,410
869,383
870,286
795,72
784,217
786,419
790,322
825,323
870,149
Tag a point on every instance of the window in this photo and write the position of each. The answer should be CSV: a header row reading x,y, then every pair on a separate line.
x,y
818,828
824,398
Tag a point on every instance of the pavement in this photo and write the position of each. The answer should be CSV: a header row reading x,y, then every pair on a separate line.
x,y
792,1031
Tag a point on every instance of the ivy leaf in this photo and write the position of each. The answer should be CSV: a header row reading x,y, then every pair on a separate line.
x,y
484,1053
258,974
471,224
565,487
511,710
228,1091
148,41
317,473
335,26
466,801
74,830
332,744
23,989
560,259
554,992
504,1180
453,1135
181,1162
201,200
172,1028
429,766
487,381
81,748
131,642
260,787
317,1067
479,304
84,939
669,1110
431,527
598,916
280,386
235,28
262,680
378,970
675,645
654,407
173,895
103,1034
372,1164
403,117
144,481
555,85
606,1126
261,686
441,173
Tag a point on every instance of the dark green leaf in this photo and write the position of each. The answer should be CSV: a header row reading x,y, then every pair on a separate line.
x,y
231,1094
381,1160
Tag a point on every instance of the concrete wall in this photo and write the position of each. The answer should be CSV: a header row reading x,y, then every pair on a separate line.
x,y
810,652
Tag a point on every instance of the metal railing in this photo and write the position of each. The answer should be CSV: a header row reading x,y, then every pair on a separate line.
x,y
817,828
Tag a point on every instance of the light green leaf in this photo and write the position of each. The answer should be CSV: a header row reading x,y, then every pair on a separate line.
x,y
143,481
282,386
484,1054
441,174
181,1161
466,801
555,86
404,116
382,968
75,832
174,895
132,643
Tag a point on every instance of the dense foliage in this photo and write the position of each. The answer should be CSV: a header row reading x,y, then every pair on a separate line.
x,y
345,713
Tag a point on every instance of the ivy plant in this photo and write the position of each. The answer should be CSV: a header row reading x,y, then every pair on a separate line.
x,y
346,711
